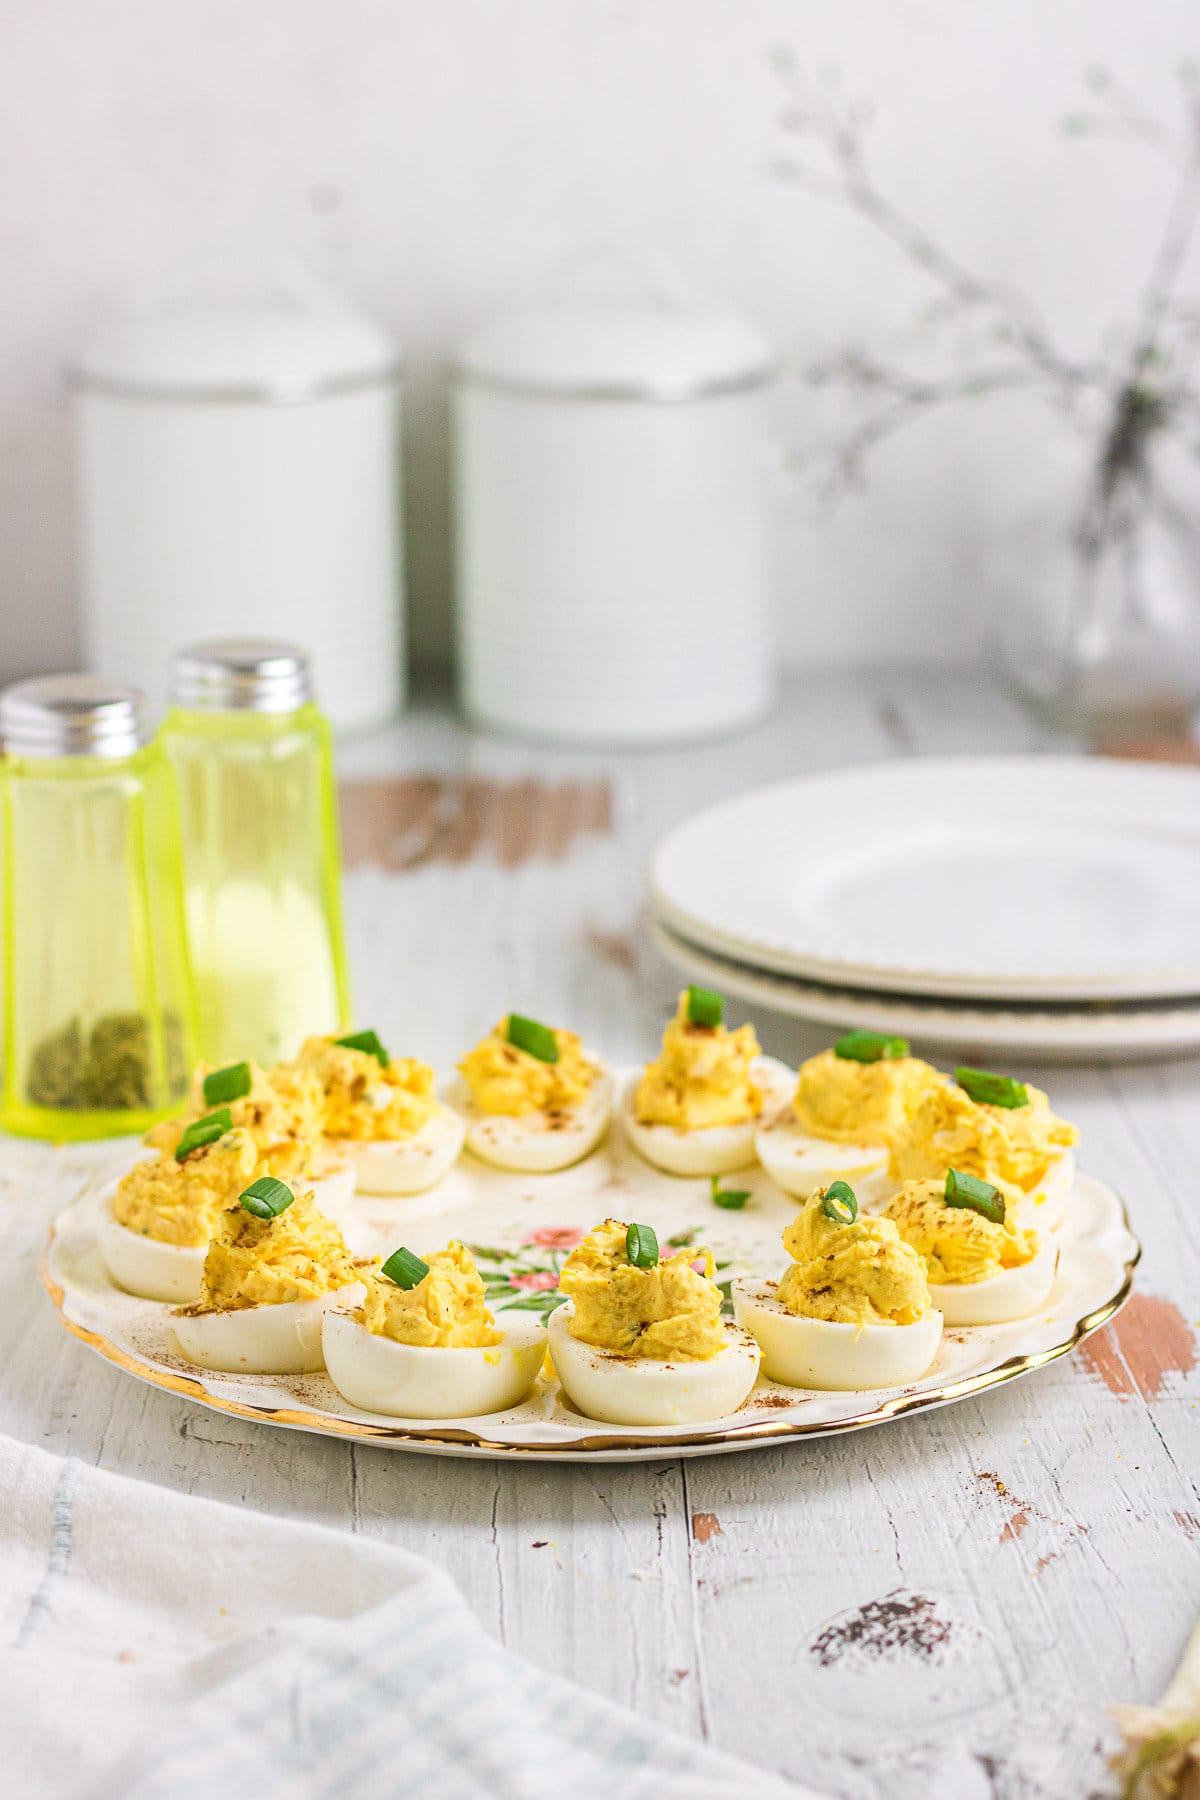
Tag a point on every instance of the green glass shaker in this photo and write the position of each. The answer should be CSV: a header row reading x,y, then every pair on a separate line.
x,y
253,761
99,1027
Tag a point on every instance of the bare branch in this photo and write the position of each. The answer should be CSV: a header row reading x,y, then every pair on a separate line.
x,y
1172,253
1144,387
858,370
841,130
1124,116
844,455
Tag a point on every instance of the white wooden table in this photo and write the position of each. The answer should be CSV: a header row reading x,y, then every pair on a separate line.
x,y
994,1572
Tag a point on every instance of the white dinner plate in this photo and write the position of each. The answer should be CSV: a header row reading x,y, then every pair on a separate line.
x,y
1091,1032
1016,877
524,1226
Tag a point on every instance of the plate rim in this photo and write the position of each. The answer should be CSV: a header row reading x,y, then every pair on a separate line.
x,y
1158,981
949,1023
607,1445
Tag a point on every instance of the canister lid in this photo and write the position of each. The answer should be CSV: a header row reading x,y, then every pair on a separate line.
x,y
72,715
277,343
639,336
262,675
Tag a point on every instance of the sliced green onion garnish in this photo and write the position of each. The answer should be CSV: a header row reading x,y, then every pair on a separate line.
x,y
405,1269
732,1199
992,1090
870,1046
980,1196
704,1007
231,1083
641,1246
368,1042
266,1198
537,1040
840,1203
204,1131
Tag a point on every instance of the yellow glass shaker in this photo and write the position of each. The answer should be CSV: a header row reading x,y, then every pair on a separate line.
x,y
99,1028
253,761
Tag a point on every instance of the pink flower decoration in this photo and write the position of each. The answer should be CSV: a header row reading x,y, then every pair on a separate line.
x,y
557,1237
537,1280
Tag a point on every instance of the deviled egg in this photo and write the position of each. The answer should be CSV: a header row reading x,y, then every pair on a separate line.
x,y
383,1114
1046,1201
999,1130
280,1108
423,1345
847,1103
641,1341
853,1310
275,1263
534,1100
156,1221
984,1266
696,1109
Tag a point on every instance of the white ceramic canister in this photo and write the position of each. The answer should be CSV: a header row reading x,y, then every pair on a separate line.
x,y
238,473
611,518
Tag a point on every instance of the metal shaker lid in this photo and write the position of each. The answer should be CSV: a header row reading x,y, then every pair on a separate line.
x,y
72,715
262,675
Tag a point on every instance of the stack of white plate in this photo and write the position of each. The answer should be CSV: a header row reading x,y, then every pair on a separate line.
x,y
1049,905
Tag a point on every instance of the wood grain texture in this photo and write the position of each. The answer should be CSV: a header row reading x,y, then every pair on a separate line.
x,y
939,1607
401,822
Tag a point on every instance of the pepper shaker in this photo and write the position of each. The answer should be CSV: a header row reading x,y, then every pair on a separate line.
x,y
99,1025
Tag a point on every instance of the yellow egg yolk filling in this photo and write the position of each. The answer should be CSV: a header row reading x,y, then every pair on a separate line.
x,y
859,1274
1001,1144
701,1078
282,1113
509,1081
851,1102
366,1102
666,1312
297,1255
181,1202
958,1245
447,1308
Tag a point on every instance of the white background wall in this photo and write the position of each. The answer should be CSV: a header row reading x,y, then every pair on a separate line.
x,y
433,156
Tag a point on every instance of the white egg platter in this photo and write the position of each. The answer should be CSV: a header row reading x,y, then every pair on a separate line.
x,y
521,1227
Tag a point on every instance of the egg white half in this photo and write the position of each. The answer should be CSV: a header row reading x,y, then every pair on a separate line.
x,y
144,1265
261,1340
417,1381
798,1162
641,1390
1045,1206
817,1353
409,1165
332,1187
712,1149
537,1143
1012,1294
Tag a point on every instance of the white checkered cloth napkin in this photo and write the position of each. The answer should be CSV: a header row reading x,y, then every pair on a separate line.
x,y
163,1647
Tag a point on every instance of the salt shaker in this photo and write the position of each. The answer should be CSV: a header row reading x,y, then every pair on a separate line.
x,y
253,762
99,1020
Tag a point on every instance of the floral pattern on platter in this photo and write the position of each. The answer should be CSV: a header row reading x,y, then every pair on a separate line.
x,y
525,1279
